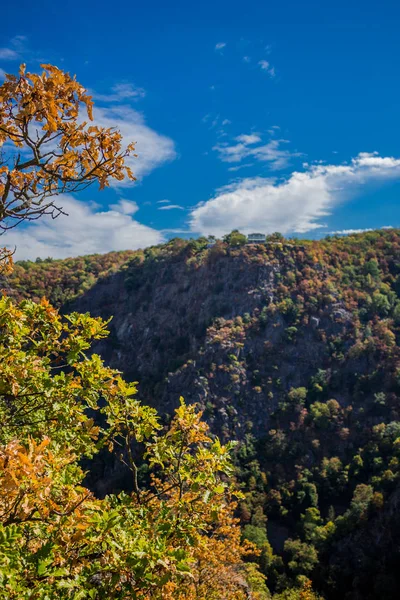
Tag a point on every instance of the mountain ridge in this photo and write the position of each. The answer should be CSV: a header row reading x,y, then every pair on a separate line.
x,y
292,348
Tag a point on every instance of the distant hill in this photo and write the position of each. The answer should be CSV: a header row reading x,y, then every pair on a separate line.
x,y
291,348
63,280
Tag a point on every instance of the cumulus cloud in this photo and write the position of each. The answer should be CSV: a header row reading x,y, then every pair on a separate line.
x,y
295,205
152,148
220,45
248,145
88,229
126,207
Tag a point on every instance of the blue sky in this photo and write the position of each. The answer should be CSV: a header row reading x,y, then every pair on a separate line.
x,y
261,116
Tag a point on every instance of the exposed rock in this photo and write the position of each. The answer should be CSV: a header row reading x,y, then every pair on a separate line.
x,y
314,322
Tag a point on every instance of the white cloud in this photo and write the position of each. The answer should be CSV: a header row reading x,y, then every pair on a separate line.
x,y
153,149
215,121
266,66
14,49
163,201
176,231
87,229
295,205
246,166
352,231
273,129
170,207
251,138
220,45
121,92
126,207
246,59
8,54
127,90
245,147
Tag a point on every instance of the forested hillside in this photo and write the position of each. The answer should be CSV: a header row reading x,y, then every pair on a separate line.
x,y
63,280
291,347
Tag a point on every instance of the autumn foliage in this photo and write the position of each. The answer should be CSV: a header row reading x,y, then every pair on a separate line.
x,y
173,538
50,148
174,535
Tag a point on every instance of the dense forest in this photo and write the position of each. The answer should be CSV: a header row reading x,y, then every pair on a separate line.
x,y
290,347
63,280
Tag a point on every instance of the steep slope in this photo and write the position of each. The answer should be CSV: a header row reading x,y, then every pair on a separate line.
x,y
226,325
292,348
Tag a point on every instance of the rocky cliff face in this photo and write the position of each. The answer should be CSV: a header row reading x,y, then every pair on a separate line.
x,y
210,331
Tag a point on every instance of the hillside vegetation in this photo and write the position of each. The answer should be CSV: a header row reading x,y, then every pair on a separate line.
x,y
63,280
292,348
